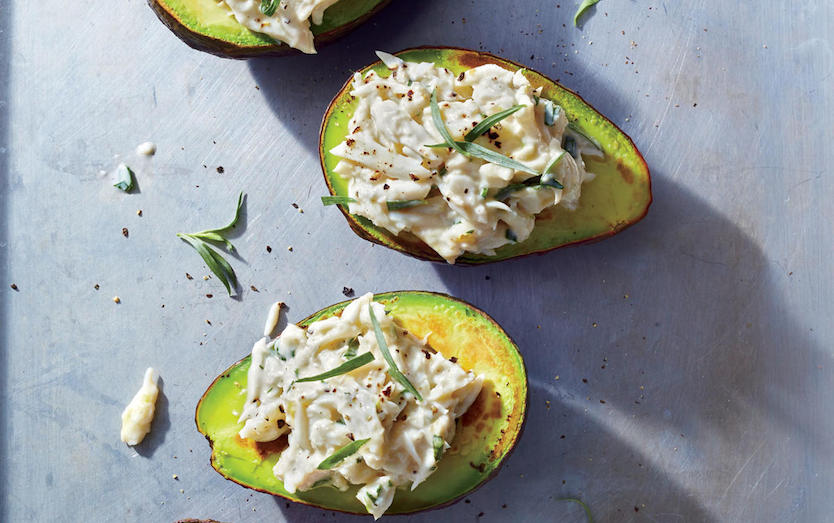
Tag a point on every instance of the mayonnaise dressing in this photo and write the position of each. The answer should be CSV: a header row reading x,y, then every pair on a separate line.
x,y
406,436
461,208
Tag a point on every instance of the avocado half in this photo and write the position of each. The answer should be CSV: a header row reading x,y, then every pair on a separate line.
x,y
206,25
618,197
485,435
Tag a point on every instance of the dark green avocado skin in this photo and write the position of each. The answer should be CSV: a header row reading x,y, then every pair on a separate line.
x,y
244,44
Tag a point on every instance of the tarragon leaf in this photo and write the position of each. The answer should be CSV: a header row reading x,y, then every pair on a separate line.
x,y
392,365
441,126
340,455
488,155
215,262
488,122
578,130
336,200
394,205
584,6
353,346
216,235
344,368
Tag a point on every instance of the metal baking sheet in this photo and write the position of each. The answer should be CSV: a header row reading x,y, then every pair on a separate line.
x,y
681,371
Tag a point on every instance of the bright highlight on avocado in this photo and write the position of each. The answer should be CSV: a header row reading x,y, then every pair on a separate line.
x,y
476,174
353,466
245,29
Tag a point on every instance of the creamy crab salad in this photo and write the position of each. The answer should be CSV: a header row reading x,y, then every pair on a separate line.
x,y
361,401
513,155
286,21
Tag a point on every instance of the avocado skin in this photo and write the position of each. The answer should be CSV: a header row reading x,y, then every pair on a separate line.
x,y
487,432
201,39
619,197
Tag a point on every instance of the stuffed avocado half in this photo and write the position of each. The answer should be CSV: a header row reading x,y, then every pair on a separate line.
x,y
466,157
227,29
461,455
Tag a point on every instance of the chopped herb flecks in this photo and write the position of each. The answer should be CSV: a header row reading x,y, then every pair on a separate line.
x,y
268,7
437,444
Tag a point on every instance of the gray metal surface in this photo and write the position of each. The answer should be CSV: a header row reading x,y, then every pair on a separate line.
x,y
706,329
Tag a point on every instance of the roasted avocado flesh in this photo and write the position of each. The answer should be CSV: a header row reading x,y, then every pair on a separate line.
x,y
208,25
485,435
617,197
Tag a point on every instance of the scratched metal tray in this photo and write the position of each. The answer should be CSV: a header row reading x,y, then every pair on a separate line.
x,y
680,371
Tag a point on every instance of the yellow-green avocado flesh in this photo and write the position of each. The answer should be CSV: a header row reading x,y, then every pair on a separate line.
x,y
206,25
486,433
618,197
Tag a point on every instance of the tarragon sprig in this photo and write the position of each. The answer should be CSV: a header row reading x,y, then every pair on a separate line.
x,y
213,259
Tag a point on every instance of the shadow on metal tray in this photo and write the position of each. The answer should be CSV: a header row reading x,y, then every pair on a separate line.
x,y
662,366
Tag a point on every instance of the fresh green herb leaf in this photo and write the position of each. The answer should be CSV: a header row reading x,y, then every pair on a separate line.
x,y
581,10
353,346
553,163
441,126
535,182
551,182
125,179
484,192
488,155
437,444
215,262
395,205
340,455
336,200
569,144
587,510
392,365
344,368
510,235
216,235
506,191
268,7
575,128
488,122
536,99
